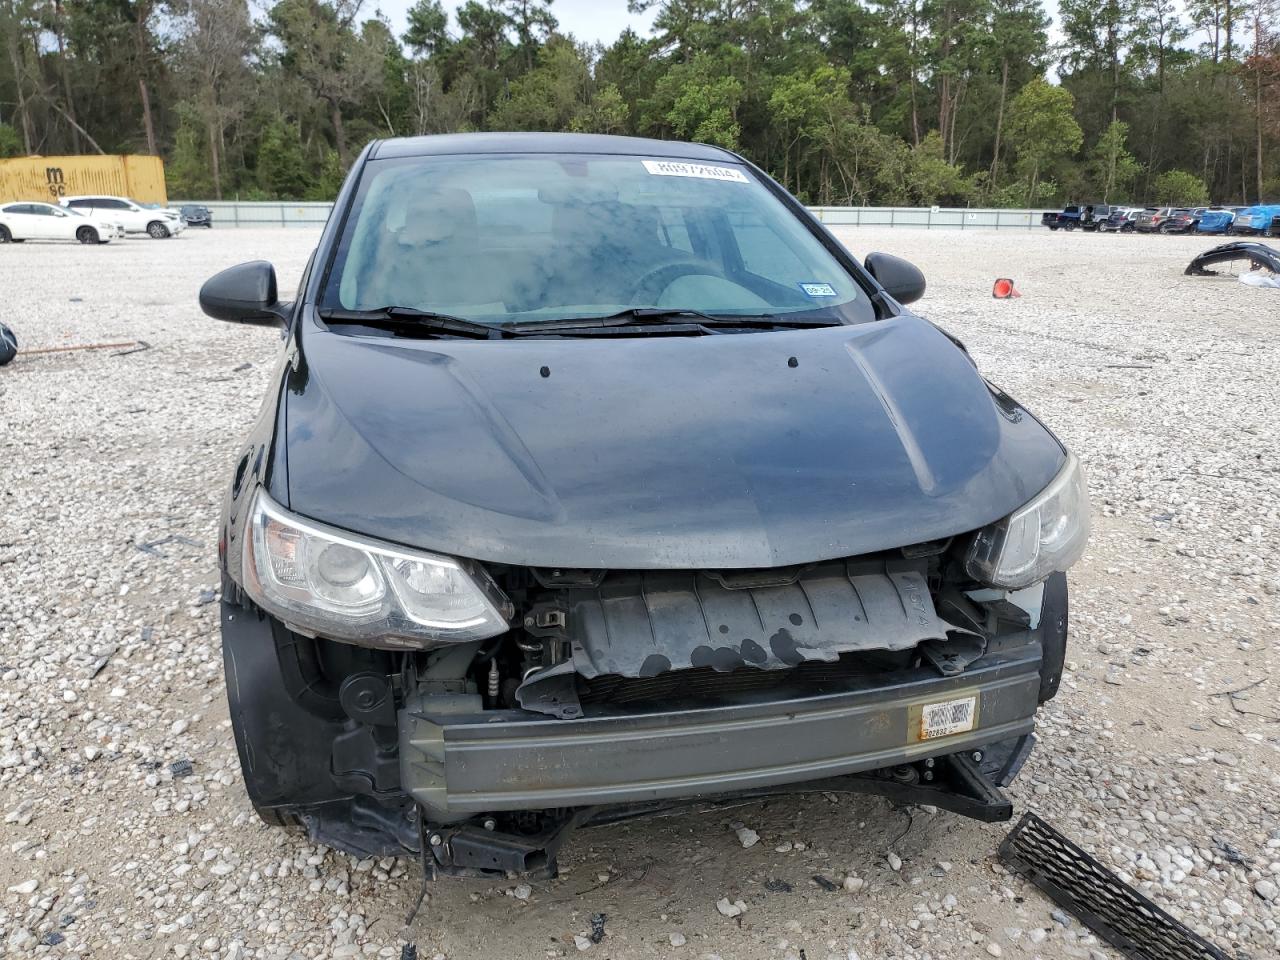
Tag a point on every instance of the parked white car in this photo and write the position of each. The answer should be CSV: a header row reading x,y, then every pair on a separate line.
x,y
155,221
27,220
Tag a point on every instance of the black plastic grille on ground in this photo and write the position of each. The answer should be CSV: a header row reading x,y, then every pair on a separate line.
x,y
1103,902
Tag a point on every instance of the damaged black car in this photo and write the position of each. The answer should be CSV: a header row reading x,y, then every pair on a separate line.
x,y
597,477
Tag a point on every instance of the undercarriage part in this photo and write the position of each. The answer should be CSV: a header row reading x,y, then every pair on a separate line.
x,y
644,624
1109,907
363,827
479,848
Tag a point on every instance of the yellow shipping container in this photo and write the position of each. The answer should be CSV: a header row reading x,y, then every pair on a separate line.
x,y
50,178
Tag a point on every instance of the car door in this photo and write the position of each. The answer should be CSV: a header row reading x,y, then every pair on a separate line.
x,y
53,224
65,223
21,221
135,219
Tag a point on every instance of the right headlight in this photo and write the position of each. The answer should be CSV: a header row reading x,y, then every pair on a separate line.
x,y
1047,535
321,580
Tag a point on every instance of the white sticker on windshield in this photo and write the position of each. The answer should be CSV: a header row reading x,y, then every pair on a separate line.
x,y
818,289
703,171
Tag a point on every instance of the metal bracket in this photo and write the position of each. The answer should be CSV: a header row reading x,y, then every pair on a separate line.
x,y
547,620
952,656
553,691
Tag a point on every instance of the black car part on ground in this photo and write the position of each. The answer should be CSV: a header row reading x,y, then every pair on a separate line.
x,y
1107,905
8,345
1259,255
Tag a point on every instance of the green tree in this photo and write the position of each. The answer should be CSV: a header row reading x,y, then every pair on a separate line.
x,y
698,101
1179,188
1018,42
322,47
1042,129
551,95
427,32
10,142
1111,165
282,168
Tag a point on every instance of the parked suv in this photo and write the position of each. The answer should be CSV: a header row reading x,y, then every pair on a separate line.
x,y
597,476
1119,220
196,215
152,219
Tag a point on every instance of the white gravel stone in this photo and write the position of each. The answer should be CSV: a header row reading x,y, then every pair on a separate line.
x,y
730,908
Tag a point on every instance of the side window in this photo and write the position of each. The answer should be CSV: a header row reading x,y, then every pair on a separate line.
x,y
40,211
79,204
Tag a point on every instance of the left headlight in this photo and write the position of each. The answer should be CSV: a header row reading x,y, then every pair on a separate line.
x,y
321,580
1046,535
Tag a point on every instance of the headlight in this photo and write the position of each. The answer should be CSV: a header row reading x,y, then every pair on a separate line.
x,y
1046,535
320,580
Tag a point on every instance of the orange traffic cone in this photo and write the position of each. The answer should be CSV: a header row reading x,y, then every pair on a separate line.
x,y
1004,289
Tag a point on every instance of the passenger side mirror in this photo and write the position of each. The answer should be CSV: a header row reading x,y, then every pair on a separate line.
x,y
901,279
245,293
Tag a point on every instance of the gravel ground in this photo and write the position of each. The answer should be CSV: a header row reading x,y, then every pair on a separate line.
x,y
112,469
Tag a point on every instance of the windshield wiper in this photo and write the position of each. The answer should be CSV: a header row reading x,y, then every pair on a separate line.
x,y
646,316
399,317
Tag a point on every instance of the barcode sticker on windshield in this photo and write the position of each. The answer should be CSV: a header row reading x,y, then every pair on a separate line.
x,y
703,171
948,717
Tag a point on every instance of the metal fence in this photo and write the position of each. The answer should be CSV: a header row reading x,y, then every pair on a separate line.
x,y
929,218
244,213
314,214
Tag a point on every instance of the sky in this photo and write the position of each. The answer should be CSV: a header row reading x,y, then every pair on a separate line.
x,y
588,20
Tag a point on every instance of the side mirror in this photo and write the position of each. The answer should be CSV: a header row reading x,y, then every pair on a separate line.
x,y
245,293
901,279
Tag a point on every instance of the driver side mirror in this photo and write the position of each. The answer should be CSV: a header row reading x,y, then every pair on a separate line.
x,y
900,278
245,293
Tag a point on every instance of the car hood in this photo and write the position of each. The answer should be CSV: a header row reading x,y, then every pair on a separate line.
x,y
730,451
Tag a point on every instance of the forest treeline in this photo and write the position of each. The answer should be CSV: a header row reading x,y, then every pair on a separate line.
x,y
844,101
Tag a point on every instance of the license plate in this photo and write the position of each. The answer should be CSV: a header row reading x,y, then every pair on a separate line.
x,y
948,717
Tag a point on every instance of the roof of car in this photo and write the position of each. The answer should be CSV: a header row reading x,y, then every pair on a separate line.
x,y
462,143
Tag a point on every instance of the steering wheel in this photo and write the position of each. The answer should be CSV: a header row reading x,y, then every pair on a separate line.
x,y
653,281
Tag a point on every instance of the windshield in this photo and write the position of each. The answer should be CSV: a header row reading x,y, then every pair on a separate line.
x,y
503,238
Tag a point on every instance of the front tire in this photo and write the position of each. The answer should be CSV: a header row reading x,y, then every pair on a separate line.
x,y
157,230
87,235
5,235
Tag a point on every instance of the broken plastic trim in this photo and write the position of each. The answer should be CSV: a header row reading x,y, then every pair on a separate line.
x,y
1259,255
1109,907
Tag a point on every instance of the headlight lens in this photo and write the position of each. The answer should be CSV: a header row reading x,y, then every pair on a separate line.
x,y
318,579
1046,535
